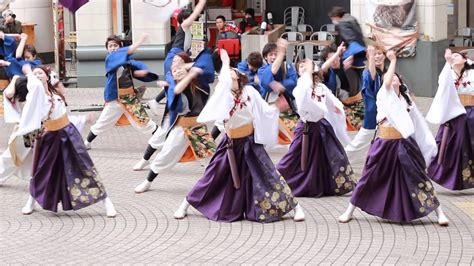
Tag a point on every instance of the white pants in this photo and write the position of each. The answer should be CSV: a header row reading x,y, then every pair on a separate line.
x,y
109,116
7,166
158,139
172,149
361,140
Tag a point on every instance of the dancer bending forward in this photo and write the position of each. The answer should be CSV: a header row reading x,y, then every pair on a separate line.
x,y
241,181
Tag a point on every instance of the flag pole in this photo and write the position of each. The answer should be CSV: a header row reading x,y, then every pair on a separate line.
x,y
205,26
56,35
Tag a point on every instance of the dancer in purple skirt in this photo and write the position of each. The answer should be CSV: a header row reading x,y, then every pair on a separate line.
x,y
62,169
394,184
241,181
316,164
17,159
453,110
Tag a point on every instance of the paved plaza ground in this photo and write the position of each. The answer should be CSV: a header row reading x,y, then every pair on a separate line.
x,y
145,231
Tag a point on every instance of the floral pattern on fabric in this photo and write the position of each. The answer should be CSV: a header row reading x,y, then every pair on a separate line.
x,y
424,194
275,202
355,113
200,141
467,173
290,119
86,190
29,139
135,108
345,180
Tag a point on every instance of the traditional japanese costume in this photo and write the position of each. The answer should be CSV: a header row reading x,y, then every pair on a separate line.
x,y
345,85
17,159
181,125
241,181
62,169
7,51
316,164
288,77
119,86
394,184
453,110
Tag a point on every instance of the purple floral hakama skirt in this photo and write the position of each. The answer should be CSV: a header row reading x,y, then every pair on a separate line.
x,y
394,184
329,171
64,172
263,195
456,170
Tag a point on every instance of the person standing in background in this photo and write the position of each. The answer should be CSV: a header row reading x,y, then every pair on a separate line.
x,y
249,20
9,23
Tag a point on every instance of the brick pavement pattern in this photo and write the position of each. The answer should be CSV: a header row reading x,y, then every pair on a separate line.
x,y
145,231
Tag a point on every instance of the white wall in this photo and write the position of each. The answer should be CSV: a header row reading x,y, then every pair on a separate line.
x,y
94,22
431,14
143,22
38,12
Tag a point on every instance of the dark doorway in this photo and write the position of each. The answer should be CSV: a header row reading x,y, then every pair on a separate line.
x,y
315,11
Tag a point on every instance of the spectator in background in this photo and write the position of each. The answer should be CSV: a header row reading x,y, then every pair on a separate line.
x,y
350,33
226,31
10,24
250,68
346,25
248,21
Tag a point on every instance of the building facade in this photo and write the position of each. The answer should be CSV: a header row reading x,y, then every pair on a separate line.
x,y
437,21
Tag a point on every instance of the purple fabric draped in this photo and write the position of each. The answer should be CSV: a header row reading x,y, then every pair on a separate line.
x,y
328,172
456,171
394,184
65,173
73,5
263,196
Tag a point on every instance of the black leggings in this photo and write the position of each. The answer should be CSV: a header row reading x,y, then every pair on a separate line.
x,y
160,96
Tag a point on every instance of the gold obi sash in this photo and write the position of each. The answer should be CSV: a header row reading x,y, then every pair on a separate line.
x,y
389,133
4,83
240,132
126,91
467,99
56,124
190,121
353,99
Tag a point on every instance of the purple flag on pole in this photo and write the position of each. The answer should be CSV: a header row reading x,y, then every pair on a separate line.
x,y
73,5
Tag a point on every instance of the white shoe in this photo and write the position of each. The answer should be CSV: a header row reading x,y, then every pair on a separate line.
x,y
140,165
109,208
29,206
182,211
88,145
154,106
144,186
347,215
442,219
299,214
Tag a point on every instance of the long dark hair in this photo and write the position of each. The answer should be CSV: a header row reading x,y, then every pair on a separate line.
x,y
51,88
466,66
404,90
21,89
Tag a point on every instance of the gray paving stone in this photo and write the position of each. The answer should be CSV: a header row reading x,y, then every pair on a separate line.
x,y
144,232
